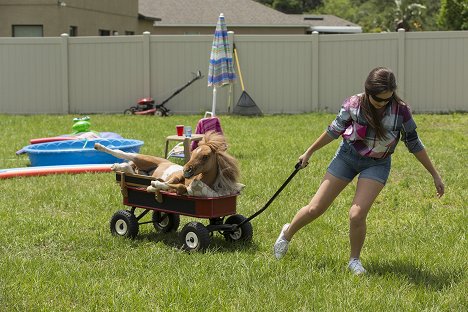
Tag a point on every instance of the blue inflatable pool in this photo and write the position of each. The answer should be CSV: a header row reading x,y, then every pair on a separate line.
x,y
77,152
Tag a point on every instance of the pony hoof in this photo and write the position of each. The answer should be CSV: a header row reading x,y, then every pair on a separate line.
x,y
98,146
159,185
124,167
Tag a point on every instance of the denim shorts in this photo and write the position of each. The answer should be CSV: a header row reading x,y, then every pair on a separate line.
x,y
348,163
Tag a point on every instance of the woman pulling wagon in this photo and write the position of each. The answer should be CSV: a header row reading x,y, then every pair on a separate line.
x,y
370,124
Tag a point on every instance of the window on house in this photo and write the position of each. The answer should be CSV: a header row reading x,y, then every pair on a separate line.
x,y
27,31
73,31
129,33
104,32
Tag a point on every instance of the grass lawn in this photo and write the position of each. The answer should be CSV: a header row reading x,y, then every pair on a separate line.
x,y
57,253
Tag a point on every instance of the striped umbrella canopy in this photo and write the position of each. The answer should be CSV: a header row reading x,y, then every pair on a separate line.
x,y
221,68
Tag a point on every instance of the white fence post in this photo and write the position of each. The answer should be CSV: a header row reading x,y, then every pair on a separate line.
x,y
401,62
146,64
65,74
315,71
231,85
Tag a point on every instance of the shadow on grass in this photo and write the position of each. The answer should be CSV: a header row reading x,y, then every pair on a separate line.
x,y
416,275
218,243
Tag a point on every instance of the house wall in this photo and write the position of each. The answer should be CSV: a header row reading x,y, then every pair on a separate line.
x,y
88,15
283,74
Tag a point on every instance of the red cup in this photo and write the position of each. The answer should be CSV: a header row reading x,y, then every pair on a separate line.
x,y
180,130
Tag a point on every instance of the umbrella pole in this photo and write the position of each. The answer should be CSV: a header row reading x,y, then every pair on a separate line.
x,y
230,98
213,106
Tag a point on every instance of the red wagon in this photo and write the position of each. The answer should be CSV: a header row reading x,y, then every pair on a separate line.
x,y
166,214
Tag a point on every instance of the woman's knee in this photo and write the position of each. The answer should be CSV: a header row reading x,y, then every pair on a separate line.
x,y
314,211
357,215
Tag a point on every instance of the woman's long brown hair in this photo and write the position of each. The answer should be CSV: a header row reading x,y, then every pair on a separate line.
x,y
379,80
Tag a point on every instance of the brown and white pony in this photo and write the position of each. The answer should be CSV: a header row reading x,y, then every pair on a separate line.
x,y
209,163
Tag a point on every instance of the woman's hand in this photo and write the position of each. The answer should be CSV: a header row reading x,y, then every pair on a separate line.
x,y
304,160
440,187
323,140
426,162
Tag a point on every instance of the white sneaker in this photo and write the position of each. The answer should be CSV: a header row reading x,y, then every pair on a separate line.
x,y
281,245
355,266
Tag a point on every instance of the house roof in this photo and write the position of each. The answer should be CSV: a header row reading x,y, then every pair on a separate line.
x,y
328,23
324,20
238,13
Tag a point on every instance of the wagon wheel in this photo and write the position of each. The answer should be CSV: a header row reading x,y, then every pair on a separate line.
x,y
243,233
195,237
165,222
130,111
124,223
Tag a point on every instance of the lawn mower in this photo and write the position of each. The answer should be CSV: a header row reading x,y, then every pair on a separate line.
x,y
147,106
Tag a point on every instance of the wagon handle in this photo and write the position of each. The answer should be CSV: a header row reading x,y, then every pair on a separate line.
x,y
297,167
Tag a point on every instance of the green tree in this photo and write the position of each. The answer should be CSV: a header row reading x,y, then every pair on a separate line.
x,y
454,15
266,2
287,6
377,15
340,8
371,15
292,6
308,5
410,15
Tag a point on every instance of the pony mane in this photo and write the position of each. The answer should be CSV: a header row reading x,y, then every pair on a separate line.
x,y
228,167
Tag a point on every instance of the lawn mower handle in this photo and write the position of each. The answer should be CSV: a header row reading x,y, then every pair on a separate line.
x,y
297,167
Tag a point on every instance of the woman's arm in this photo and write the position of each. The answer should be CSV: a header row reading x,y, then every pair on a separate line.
x,y
335,129
424,159
323,140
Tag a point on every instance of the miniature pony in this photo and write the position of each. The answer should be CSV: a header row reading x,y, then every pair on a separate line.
x,y
209,165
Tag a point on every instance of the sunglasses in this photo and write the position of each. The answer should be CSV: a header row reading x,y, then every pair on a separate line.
x,y
380,100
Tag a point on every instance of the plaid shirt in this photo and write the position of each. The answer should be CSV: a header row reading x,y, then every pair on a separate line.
x,y
396,119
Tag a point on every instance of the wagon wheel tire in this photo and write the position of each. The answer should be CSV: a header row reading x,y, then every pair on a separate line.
x,y
243,233
124,223
194,237
129,111
165,222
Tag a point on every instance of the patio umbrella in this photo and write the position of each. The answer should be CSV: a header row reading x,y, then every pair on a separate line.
x,y
221,69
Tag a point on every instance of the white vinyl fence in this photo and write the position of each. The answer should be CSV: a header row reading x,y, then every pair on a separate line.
x,y
283,74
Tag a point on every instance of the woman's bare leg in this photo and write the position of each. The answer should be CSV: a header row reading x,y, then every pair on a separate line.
x,y
329,189
366,192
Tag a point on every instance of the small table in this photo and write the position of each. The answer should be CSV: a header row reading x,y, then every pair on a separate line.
x,y
186,140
